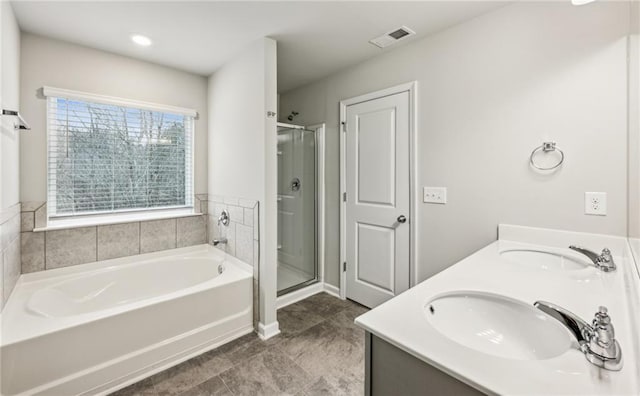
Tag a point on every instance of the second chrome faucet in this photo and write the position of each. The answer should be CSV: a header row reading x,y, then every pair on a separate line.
x,y
603,261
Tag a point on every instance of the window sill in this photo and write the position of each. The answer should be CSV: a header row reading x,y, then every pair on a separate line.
x,y
92,221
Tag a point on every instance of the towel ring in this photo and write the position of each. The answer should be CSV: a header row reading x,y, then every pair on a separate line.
x,y
546,147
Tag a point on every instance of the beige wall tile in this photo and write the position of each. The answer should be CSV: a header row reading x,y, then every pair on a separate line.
x,y
9,231
31,206
157,235
236,214
41,217
191,231
244,243
256,223
248,217
1,280
70,247
256,259
32,251
27,221
11,267
247,203
118,240
229,232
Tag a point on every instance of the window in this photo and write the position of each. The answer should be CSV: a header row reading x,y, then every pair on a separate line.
x,y
107,155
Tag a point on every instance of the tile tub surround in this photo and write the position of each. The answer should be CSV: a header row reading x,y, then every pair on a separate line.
x,y
319,352
45,250
10,243
242,233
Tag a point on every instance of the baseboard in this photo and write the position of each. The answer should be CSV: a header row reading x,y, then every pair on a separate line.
x,y
267,331
331,289
295,296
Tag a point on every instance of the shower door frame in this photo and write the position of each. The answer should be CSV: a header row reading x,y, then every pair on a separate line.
x,y
318,199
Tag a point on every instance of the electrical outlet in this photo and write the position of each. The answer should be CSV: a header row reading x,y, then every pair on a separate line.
x,y
434,195
595,203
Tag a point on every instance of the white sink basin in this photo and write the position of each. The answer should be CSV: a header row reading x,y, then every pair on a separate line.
x,y
497,325
542,260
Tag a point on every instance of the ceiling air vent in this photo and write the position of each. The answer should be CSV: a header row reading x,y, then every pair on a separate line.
x,y
392,37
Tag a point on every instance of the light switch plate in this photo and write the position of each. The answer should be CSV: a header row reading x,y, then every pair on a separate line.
x,y
436,195
595,203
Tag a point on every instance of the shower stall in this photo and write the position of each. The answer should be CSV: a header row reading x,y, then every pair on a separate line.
x,y
297,208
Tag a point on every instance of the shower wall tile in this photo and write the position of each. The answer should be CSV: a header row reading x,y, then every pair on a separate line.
x,y
10,222
1,281
248,218
157,235
27,221
256,258
247,203
200,203
229,232
10,230
191,231
218,207
204,207
256,224
118,240
32,248
31,206
70,247
212,228
242,234
41,216
244,243
10,267
236,214
231,201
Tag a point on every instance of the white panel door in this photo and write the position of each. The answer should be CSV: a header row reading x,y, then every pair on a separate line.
x,y
377,207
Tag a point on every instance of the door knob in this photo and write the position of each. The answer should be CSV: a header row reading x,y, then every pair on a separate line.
x,y
402,219
295,184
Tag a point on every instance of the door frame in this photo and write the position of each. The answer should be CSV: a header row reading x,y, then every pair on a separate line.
x,y
410,87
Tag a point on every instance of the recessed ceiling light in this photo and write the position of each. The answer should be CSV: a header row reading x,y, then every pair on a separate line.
x,y
141,40
581,2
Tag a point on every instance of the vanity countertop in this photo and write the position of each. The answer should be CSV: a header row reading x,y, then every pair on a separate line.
x,y
402,321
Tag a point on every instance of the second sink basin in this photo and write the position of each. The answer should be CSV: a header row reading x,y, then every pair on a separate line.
x,y
540,259
497,325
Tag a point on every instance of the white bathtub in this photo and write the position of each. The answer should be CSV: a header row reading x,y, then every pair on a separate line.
x,y
94,328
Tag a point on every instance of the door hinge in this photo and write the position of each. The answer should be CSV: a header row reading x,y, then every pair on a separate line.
x,y
344,197
344,126
344,266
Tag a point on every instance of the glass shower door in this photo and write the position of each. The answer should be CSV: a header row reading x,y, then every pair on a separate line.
x,y
296,209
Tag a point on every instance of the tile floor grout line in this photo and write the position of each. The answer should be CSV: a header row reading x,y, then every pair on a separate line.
x,y
225,383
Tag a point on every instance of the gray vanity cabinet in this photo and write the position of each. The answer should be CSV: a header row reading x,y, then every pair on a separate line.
x,y
390,371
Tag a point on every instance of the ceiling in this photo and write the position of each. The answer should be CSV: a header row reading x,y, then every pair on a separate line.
x,y
315,39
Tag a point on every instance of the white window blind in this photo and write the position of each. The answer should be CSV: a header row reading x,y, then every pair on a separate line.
x,y
110,158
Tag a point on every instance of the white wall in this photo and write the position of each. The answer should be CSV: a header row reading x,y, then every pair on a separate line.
x,y
9,99
634,134
489,91
63,65
634,124
242,148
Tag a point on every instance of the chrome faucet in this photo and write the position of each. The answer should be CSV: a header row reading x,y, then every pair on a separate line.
x,y
223,220
604,261
597,341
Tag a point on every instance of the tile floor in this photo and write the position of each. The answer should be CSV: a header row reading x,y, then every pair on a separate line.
x,y
320,352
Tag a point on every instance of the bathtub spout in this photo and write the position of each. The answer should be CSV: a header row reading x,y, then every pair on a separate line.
x,y
217,242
